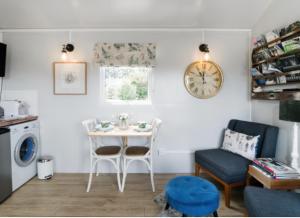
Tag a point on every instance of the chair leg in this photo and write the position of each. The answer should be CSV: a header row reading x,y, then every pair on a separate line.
x,y
118,175
197,169
151,177
124,173
98,169
92,166
215,214
227,193
167,206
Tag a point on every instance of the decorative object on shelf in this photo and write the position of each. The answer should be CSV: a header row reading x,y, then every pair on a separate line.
x,y
123,121
255,72
294,26
70,78
271,36
203,79
126,54
290,111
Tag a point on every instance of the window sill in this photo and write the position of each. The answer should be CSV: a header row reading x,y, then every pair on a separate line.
x,y
129,103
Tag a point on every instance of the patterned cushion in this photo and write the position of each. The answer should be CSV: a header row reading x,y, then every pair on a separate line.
x,y
242,144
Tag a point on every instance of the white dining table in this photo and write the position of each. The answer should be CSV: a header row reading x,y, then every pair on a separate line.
x,y
124,134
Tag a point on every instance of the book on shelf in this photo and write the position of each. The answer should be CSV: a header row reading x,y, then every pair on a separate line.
x,y
276,50
291,44
276,168
269,175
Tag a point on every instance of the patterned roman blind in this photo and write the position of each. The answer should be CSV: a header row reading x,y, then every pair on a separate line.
x,y
126,54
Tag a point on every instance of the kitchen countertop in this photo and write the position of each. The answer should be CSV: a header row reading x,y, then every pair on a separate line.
x,y
10,122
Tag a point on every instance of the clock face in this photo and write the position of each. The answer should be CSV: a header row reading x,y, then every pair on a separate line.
x,y
203,79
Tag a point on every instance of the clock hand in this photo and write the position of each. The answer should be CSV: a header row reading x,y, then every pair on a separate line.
x,y
199,71
201,74
203,78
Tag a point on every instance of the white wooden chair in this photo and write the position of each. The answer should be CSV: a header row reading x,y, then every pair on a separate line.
x,y
141,153
99,151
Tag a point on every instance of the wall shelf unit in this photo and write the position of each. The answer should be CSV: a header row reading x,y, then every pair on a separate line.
x,y
281,38
276,69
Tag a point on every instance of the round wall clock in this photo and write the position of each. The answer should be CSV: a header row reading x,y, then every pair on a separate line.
x,y
203,79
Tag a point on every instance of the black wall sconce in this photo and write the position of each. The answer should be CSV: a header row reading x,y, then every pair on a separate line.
x,y
67,48
205,50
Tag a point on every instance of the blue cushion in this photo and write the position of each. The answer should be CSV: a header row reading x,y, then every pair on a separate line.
x,y
271,203
192,195
225,165
268,135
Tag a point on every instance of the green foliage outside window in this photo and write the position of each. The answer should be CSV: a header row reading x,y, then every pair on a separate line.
x,y
126,83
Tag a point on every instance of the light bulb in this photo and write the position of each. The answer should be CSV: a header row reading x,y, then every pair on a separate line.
x,y
206,56
64,55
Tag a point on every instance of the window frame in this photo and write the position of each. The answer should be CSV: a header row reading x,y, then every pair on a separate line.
x,y
125,102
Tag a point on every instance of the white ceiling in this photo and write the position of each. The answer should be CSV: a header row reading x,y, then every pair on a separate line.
x,y
131,13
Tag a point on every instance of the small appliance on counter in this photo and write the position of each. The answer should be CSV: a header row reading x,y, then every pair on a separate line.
x,y
14,109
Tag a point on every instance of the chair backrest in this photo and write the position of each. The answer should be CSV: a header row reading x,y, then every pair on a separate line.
x,y
89,125
156,123
268,135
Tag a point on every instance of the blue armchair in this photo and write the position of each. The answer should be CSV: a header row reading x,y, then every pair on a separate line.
x,y
230,169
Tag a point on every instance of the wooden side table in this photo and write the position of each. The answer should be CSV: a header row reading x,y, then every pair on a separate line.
x,y
271,183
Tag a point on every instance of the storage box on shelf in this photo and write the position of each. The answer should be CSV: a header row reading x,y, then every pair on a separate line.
x,y
277,66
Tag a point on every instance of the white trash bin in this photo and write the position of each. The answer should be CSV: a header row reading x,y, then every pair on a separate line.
x,y
45,167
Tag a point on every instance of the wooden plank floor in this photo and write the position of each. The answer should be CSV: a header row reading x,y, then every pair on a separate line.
x,y
65,195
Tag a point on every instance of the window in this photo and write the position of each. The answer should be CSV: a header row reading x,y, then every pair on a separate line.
x,y
126,84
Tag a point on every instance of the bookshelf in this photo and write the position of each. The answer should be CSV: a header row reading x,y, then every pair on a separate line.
x,y
284,84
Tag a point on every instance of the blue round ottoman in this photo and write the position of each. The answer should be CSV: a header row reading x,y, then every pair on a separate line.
x,y
192,196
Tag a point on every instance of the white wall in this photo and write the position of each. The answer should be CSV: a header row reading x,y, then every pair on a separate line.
x,y
188,123
279,14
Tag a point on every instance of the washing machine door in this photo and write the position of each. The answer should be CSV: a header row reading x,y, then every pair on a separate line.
x,y
26,150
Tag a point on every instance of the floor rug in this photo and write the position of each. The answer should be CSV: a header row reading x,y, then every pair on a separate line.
x,y
160,200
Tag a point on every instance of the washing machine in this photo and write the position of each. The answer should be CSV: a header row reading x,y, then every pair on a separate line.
x,y
24,140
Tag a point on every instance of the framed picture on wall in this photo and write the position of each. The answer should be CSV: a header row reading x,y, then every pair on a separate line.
x,y
70,78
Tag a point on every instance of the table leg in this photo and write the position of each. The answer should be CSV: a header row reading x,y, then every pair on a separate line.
x,y
125,141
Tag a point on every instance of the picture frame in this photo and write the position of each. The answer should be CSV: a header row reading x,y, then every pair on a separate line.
x,y
69,78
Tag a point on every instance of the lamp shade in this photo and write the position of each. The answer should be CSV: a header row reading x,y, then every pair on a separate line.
x,y
289,111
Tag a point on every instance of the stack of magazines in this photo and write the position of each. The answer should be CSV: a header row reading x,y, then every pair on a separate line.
x,y
275,169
